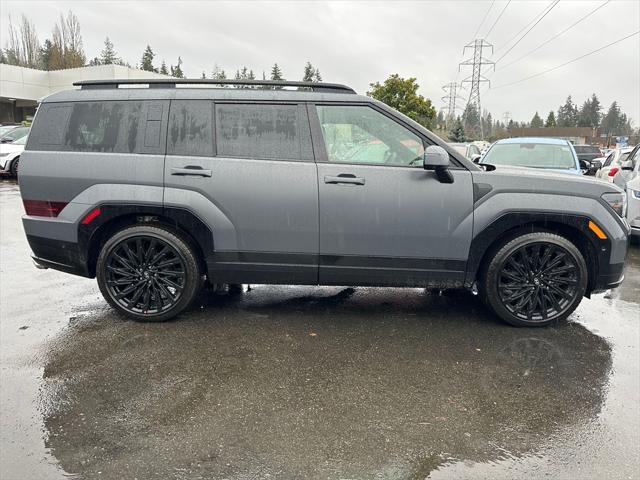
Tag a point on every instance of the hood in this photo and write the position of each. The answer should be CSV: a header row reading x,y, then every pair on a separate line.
x,y
535,180
10,148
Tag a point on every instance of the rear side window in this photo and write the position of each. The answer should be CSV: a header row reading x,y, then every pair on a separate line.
x,y
108,126
266,131
190,128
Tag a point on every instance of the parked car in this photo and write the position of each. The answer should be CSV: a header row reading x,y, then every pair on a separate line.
x,y
629,169
155,190
612,163
535,152
591,154
468,150
633,206
10,156
14,134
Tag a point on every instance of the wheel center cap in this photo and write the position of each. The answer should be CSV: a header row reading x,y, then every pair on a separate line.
x,y
536,281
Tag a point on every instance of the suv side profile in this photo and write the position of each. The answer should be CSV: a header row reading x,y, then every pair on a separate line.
x,y
156,190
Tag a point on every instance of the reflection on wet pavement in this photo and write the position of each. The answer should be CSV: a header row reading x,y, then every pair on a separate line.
x,y
292,381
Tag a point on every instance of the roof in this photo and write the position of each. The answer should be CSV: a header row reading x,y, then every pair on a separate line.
x,y
544,140
200,93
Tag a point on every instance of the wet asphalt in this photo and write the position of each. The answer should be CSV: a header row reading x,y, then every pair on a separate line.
x,y
305,382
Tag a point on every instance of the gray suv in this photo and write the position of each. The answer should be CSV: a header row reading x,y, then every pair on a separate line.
x,y
160,188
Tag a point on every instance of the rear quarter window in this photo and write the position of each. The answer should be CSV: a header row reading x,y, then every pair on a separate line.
x,y
190,128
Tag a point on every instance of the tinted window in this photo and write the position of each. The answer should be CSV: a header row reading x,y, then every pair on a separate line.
x,y
359,134
540,155
190,130
258,131
105,127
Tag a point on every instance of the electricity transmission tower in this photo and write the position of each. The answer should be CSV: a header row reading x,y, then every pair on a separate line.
x,y
451,90
476,77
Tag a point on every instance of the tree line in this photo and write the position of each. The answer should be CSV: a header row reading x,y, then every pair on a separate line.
x,y
64,49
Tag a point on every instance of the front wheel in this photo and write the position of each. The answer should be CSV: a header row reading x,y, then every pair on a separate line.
x,y
13,170
535,279
148,273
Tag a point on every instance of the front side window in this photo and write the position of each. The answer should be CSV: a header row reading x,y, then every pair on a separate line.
x,y
537,155
360,134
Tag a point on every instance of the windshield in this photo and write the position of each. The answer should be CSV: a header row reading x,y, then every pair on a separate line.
x,y
15,134
537,155
21,141
6,128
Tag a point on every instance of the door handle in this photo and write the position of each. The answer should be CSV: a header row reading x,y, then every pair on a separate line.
x,y
344,179
191,170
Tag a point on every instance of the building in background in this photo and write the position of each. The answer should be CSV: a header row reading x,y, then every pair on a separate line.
x,y
21,88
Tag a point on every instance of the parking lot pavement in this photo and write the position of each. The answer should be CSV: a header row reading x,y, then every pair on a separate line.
x,y
303,382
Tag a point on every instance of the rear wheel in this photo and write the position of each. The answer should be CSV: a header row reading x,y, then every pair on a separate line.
x,y
535,279
148,273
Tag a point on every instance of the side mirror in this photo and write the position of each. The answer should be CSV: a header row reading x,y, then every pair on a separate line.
x,y
628,165
436,158
584,167
476,158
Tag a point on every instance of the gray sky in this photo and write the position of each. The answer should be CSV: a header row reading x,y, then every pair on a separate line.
x,y
360,42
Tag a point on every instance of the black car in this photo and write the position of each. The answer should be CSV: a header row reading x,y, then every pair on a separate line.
x,y
591,154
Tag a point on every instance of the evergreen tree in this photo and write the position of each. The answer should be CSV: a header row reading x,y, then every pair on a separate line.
x,y
309,72
147,60
614,121
108,55
568,114
177,70
471,119
551,120
536,121
3,58
218,73
317,77
589,115
45,55
457,132
204,75
276,72
163,68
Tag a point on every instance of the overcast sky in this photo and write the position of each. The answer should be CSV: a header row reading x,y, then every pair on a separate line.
x,y
360,42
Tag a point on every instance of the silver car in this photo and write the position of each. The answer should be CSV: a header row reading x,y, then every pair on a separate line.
x,y
156,191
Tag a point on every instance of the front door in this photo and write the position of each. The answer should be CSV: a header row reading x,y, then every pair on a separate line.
x,y
247,171
384,220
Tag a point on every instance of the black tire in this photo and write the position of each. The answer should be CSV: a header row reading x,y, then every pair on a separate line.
x,y
155,282
14,167
535,279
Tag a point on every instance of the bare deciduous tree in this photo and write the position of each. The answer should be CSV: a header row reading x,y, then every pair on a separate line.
x,y
67,43
23,46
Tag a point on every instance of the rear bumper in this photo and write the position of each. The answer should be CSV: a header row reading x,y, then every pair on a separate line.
x,y
59,255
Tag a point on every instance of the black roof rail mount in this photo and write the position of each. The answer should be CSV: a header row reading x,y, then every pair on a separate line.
x,y
172,82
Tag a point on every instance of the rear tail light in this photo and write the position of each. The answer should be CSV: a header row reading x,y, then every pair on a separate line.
x,y
613,171
43,208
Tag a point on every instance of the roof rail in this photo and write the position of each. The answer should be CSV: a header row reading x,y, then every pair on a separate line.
x,y
172,82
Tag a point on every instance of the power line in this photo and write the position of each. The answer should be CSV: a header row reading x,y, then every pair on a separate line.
x,y
567,63
483,19
555,36
525,27
531,28
494,23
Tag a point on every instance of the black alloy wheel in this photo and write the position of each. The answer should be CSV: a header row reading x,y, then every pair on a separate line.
x,y
148,273
538,281
535,279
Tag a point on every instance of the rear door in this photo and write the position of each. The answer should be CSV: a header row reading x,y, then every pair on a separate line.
x,y
384,220
247,170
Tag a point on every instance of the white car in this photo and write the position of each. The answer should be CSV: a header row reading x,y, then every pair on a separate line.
x,y
10,156
612,163
633,205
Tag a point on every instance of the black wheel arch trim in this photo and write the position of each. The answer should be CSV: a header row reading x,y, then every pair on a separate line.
x,y
598,250
115,216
